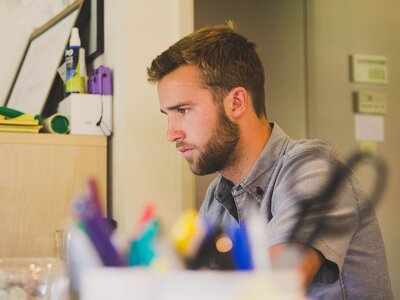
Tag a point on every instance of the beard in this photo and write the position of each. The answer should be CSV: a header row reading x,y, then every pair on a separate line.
x,y
219,150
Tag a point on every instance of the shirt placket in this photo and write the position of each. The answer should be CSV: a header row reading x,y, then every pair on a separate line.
x,y
243,199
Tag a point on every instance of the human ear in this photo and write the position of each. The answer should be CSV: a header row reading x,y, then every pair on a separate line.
x,y
239,99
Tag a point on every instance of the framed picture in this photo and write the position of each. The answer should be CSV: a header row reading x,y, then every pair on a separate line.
x,y
43,55
96,39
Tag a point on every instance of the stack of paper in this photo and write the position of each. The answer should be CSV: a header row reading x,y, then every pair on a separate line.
x,y
23,123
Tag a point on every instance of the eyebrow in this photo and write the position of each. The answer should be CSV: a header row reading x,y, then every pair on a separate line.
x,y
169,108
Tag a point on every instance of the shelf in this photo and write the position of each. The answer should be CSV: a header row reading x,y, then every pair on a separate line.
x,y
40,175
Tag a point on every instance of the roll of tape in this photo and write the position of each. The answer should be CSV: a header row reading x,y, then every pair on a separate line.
x,y
56,123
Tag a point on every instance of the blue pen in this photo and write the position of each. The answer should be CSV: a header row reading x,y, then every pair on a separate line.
x,y
241,251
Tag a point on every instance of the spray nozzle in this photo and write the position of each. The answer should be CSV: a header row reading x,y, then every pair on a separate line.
x,y
75,40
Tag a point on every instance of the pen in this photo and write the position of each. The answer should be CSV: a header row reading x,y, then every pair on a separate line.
x,y
241,251
142,250
87,209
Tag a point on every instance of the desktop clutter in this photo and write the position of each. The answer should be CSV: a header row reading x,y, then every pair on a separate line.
x,y
87,107
196,259
194,243
192,255
193,259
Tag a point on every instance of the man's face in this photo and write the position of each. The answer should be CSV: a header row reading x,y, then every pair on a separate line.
x,y
199,127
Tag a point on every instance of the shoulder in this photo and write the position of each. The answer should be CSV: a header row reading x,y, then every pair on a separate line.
x,y
309,148
311,156
289,148
303,168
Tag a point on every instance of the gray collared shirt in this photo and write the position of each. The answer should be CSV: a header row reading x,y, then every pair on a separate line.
x,y
285,172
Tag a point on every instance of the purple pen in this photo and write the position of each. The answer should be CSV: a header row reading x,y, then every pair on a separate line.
x,y
87,211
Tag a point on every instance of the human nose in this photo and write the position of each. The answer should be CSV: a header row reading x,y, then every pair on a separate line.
x,y
174,132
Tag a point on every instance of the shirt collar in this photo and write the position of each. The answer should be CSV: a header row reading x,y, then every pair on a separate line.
x,y
257,179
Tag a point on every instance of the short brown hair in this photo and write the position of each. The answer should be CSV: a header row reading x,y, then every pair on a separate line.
x,y
225,58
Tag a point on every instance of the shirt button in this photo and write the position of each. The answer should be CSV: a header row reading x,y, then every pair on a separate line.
x,y
259,191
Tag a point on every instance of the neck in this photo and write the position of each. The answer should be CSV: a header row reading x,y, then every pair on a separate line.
x,y
254,137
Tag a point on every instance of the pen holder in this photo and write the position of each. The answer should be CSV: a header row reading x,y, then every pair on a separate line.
x,y
140,283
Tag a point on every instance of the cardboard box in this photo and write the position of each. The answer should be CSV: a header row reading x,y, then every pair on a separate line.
x,y
89,114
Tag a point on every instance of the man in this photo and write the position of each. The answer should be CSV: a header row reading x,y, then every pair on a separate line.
x,y
211,87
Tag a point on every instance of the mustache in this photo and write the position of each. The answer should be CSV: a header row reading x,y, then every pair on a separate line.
x,y
182,145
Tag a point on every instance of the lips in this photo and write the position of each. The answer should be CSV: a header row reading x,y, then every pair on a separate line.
x,y
185,151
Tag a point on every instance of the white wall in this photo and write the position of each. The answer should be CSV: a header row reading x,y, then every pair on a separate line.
x,y
144,166
14,37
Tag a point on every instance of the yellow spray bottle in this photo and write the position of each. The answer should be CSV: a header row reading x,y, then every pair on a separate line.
x,y
74,61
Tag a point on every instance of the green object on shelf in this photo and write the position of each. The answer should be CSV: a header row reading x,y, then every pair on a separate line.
x,y
56,123
13,113
10,113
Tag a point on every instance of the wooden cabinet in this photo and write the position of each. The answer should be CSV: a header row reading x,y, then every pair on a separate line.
x,y
39,176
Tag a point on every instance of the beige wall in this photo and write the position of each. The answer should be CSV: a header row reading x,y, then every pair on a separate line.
x,y
277,28
311,44
335,30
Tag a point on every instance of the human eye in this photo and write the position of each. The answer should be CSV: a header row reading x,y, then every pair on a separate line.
x,y
181,110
